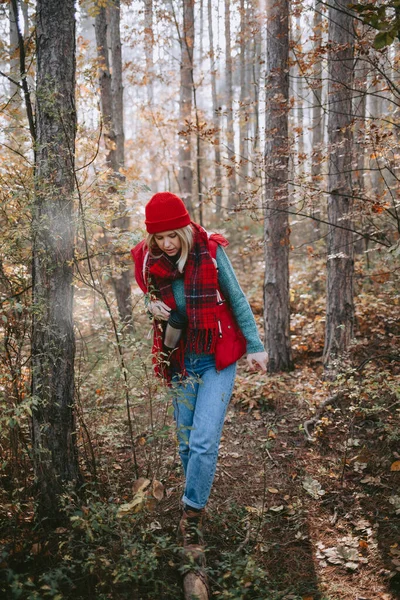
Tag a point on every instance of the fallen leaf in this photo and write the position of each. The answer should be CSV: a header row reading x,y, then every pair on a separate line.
x,y
351,565
395,466
134,506
313,487
157,490
273,491
140,484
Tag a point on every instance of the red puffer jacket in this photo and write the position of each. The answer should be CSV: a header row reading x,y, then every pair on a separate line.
x,y
231,344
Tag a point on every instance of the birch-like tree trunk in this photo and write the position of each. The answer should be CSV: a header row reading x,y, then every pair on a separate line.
x,y
186,103
216,117
230,134
340,262
15,94
107,26
53,343
276,226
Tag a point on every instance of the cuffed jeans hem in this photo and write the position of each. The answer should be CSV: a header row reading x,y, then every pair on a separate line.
x,y
186,500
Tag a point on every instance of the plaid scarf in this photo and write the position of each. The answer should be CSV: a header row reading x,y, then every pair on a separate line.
x,y
200,284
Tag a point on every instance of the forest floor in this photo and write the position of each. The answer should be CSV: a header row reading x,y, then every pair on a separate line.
x,y
293,515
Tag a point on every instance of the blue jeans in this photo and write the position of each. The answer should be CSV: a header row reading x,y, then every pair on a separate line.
x,y
200,403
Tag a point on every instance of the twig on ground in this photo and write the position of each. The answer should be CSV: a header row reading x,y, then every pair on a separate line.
x,y
395,357
247,536
270,457
226,473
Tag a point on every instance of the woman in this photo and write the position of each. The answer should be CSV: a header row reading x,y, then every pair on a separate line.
x,y
184,271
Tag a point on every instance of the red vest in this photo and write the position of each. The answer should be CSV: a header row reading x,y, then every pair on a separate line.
x,y
231,344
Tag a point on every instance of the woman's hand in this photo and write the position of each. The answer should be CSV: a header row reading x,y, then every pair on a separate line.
x,y
159,310
260,358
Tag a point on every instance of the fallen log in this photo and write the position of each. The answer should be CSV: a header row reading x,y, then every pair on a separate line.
x,y
195,585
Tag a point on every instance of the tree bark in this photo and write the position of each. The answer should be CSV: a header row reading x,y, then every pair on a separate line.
x,y
359,108
244,101
186,102
299,100
15,92
230,134
256,50
148,49
317,116
216,118
107,25
122,282
340,262
276,226
53,343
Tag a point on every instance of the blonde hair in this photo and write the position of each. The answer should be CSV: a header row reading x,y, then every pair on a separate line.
x,y
185,234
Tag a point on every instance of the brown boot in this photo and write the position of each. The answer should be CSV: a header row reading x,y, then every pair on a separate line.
x,y
190,535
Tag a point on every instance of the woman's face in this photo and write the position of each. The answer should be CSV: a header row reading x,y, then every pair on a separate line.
x,y
169,242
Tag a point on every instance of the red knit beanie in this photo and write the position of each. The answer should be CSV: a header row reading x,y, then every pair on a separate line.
x,y
165,211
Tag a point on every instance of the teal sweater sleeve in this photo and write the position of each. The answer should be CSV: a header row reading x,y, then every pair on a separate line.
x,y
233,293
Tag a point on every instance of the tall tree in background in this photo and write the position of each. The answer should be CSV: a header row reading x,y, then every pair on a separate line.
x,y
185,104
53,343
276,226
230,134
255,51
298,88
359,110
107,26
244,99
340,263
216,116
148,48
317,137
15,94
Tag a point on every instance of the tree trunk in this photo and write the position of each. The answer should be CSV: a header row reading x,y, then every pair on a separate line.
x,y
244,108
230,135
111,94
216,118
122,282
186,102
359,107
375,114
276,226
256,48
340,263
148,49
317,117
15,94
25,14
300,103
53,343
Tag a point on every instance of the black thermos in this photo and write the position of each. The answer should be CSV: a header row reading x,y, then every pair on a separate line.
x,y
173,331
